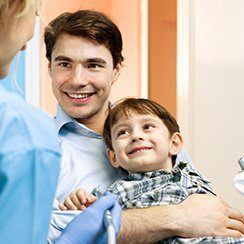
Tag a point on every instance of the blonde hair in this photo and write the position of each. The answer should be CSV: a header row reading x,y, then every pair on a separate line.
x,y
20,7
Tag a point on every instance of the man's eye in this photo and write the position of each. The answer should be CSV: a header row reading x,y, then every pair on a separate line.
x,y
148,126
94,66
64,65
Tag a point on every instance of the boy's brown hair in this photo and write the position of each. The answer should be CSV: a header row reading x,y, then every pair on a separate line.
x,y
89,24
140,106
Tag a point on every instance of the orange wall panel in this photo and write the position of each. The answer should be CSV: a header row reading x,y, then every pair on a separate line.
x,y
162,52
126,15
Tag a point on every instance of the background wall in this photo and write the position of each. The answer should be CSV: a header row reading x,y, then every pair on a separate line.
x,y
215,89
163,53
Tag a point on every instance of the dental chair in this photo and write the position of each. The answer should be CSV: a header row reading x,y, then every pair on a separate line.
x,y
239,179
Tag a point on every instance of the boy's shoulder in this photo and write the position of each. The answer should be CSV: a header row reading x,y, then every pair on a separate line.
x,y
191,178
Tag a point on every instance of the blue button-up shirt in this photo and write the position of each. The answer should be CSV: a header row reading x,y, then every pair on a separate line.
x,y
84,160
29,169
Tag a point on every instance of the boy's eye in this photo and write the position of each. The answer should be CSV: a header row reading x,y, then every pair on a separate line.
x,y
123,132
148,126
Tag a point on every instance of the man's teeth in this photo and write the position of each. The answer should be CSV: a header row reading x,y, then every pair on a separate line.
x,y
79,95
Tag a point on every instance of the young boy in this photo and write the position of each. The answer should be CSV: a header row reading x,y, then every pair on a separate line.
x,y
143,139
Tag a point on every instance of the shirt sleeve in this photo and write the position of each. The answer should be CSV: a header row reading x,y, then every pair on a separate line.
x,y
120,189
27,185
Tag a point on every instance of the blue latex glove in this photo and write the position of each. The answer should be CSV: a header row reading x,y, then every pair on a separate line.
x,y
88,227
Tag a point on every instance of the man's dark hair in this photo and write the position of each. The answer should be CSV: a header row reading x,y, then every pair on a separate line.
x,y
89,24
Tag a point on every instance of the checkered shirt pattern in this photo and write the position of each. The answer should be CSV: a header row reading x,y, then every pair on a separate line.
x,y
140,190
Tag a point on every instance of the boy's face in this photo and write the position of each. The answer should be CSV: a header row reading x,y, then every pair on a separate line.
x,y
142,143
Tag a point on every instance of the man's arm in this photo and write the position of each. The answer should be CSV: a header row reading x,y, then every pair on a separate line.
x,y
198,215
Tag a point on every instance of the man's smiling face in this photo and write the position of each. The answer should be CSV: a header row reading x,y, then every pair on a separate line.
x,y
82,74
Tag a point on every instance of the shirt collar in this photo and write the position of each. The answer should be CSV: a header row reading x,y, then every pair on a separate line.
x,y
151,174
176,173
64,120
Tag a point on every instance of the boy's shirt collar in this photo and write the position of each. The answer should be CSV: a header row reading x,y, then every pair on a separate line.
x,y
176,173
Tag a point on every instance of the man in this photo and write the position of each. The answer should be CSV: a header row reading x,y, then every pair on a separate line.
x,y
84,53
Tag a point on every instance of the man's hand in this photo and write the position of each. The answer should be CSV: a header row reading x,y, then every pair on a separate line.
x,y
88,227
207,215
77,200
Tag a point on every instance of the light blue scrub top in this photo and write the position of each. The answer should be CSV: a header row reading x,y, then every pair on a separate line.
x,y
29,169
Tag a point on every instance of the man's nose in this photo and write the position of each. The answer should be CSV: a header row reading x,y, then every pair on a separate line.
x,y
79,76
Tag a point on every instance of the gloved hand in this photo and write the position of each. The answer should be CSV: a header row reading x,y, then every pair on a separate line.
x,y
88,227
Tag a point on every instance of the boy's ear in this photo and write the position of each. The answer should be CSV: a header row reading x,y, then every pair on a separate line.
x,y
176,143
112,158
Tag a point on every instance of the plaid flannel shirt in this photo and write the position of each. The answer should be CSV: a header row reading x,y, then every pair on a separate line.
x,y
139,190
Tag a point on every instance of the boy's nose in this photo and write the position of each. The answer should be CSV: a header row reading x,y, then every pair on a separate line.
x,y
136,138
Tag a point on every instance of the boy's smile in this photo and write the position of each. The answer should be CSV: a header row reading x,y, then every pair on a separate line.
x,y
139,149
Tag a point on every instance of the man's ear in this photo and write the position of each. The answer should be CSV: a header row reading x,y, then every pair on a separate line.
x,y
112,158
117,71
49,68
176,143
